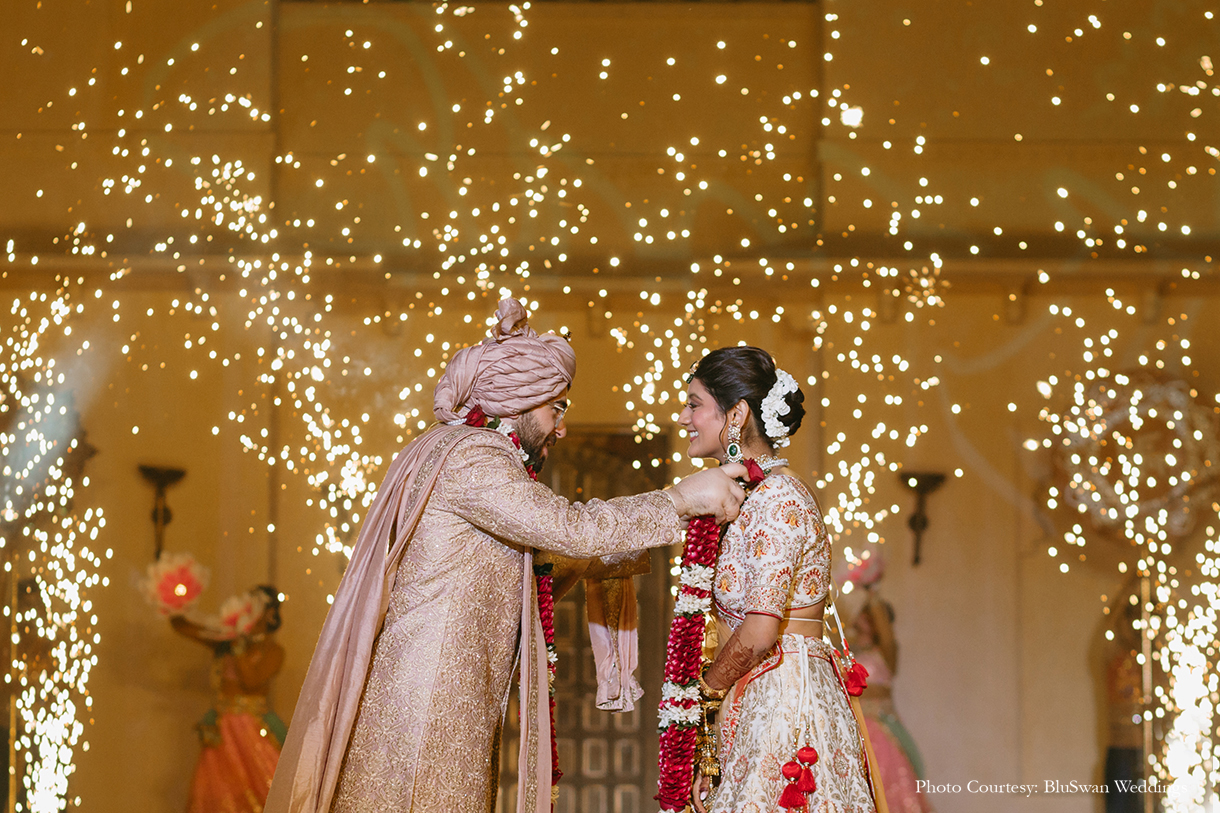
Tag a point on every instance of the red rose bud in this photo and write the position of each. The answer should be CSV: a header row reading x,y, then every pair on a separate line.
x,y
754,473
476,417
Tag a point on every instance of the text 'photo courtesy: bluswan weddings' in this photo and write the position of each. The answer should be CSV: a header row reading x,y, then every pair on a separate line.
x,y
1044,787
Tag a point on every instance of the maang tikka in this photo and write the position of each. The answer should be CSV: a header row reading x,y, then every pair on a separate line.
x,y
732,450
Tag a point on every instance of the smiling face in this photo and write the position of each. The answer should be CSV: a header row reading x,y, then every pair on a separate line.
x,y
542,427
704,423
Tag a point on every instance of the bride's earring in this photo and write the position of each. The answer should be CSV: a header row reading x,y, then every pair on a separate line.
x,y
732,450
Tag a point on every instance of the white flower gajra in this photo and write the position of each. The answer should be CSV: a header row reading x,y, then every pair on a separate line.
x,y
506,428
775,405
679,715
502,425
672,691
698,576
690,605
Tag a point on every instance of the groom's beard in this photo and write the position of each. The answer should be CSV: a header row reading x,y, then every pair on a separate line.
x,y
534,442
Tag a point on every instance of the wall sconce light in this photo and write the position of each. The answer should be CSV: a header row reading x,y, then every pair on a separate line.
x,y
161,480
923,484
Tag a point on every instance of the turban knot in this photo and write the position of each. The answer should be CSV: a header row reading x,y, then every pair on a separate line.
x,y
512,371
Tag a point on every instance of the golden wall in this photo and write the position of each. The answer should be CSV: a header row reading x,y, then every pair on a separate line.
x,y
998,677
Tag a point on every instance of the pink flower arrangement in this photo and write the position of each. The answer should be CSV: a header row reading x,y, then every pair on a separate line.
x,y
239,614
866,570
174,583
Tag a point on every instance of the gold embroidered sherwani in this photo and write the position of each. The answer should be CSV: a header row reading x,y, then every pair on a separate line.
x,y
426,730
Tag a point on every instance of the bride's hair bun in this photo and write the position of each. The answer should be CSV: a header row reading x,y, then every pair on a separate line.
x,y
733,374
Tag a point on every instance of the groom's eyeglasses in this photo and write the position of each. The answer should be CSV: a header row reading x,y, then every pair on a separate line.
x,y
561,409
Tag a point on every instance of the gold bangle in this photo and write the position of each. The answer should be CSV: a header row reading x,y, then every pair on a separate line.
x,y
707,691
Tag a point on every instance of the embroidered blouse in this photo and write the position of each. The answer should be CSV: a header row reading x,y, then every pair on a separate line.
x,y
776,556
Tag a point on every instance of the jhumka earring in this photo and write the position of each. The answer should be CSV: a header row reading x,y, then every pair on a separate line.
x,y
732,451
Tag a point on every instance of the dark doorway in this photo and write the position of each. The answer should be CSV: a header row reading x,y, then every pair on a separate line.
x,y
609,761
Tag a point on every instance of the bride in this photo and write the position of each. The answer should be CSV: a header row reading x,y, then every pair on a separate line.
x,y
787,734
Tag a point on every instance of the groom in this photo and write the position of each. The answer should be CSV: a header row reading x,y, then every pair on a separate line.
x,y
403,702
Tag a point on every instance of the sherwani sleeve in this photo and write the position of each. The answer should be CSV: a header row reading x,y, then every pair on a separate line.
x,y
487,486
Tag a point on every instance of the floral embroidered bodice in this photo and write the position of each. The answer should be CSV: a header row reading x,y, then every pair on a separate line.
x,y
776,556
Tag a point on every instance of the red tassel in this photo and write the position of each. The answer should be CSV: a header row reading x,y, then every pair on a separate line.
x,y
806,784
792,798
856,680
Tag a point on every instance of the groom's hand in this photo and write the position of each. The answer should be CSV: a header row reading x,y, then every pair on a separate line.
x,y
737,471
712,492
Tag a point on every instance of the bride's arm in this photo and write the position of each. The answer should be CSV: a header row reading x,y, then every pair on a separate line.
x,y
745,649
782,522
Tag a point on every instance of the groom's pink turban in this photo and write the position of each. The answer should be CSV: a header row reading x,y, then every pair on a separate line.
x,y
511,372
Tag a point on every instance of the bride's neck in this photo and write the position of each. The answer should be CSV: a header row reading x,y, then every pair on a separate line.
x,y
756,450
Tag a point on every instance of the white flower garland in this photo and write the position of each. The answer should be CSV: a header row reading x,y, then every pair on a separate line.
x,y
502,425
698,576
674,696
691,605
775,405
676,714
505,427
672,691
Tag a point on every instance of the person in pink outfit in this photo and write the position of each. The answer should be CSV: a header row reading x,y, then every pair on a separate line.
x,y
898,761
241,736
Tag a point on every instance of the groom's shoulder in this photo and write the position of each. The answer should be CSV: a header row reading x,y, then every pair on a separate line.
x,y
478,443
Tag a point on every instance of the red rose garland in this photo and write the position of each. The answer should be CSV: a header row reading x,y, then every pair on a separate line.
x,y
679,711
680,714
546,582
546,610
